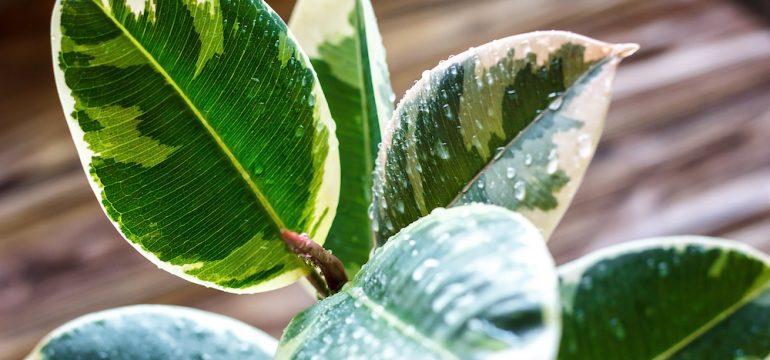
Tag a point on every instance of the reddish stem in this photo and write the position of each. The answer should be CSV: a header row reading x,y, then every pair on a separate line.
x,y
331,268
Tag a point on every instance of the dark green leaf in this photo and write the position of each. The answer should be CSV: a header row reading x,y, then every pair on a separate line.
x,y
680,298
344,45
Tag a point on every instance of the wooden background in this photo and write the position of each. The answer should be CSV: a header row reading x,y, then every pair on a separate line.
x,y
686,149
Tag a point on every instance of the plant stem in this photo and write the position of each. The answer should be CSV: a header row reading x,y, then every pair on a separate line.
x,y
331,268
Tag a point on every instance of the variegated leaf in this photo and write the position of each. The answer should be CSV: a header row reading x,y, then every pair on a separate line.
x,y
344,45
473,282
145,332
514,123
668,298
203,130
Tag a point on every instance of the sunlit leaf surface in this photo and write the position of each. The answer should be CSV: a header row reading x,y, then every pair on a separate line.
x,y
472,282
203,130
513,123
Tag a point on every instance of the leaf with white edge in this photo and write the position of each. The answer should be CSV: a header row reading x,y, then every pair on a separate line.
x,y
513,123
203,130
144,332
669,298
344,45
474,282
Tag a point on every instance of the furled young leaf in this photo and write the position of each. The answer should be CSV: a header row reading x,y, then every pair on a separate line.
x,y
345,48
512,123
144,332
204,132
473,282
680,298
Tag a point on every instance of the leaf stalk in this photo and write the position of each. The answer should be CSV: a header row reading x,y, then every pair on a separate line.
x,y
332,273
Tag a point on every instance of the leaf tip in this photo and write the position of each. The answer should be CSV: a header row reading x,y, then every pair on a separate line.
x,y
625,50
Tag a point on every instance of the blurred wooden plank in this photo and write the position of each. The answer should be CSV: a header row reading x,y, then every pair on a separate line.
x,y
705,174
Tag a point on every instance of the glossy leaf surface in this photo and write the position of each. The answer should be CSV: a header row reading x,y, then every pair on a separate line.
x,y
344,45
472,282
513,123
669,298
203,130
145,332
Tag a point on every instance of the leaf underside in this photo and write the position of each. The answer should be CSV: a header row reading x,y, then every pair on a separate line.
x,y
465,283
512,123
145,332
678,298
344,45
203,130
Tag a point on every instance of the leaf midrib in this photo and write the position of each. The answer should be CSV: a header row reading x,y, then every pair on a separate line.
x,y
261,198
753,295
510,143
399,324
365,67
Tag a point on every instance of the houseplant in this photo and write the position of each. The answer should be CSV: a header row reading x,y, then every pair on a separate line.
x,y
206,129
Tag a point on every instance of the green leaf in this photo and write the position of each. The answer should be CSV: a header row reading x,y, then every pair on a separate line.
x,y
513,123
144,332
204,131
465,283
344,45
680,298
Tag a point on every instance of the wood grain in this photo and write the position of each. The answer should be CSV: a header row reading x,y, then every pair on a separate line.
x,y
685,150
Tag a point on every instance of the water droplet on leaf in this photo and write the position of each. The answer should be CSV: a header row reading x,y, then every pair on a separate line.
x,y
519,190
510,172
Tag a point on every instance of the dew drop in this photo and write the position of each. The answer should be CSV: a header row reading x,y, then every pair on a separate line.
x,y
556,104
448,112
519,190
510,172
442,150
528,159
299,131
552,166
400,205
389,224
426,265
